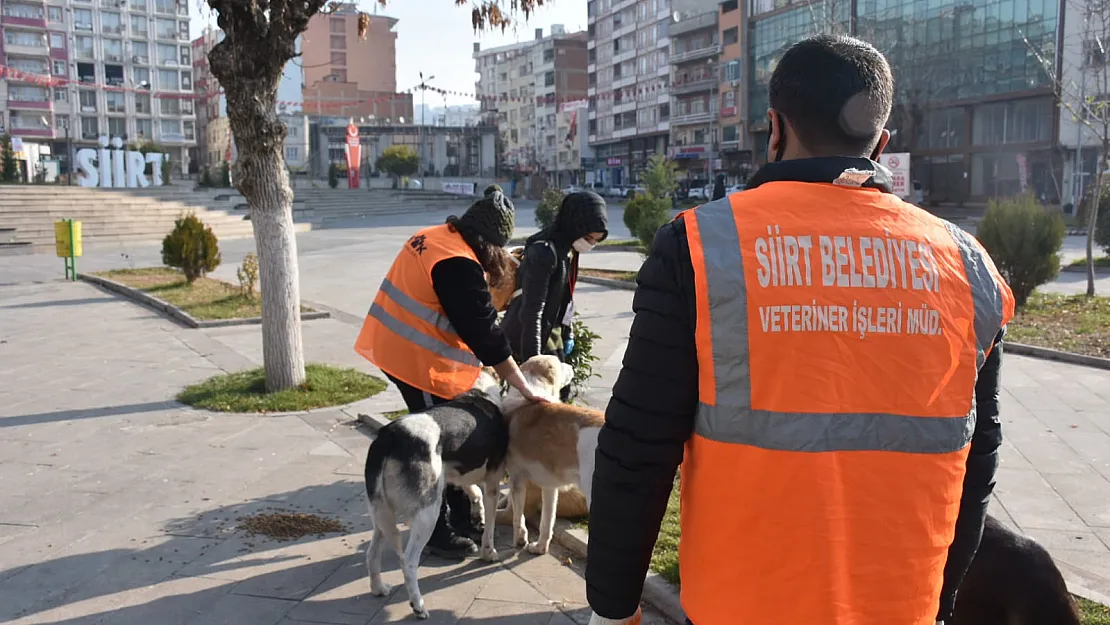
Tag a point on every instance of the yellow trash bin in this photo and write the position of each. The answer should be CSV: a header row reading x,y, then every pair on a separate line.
x,y
67,244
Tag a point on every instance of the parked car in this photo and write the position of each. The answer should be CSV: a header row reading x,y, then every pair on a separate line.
x,y
698,193
736,188
571,188
614,191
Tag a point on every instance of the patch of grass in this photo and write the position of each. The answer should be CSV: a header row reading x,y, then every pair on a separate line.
x,y
610,274
1091,613
1070,323
1101,262
206,299
245,391
393,415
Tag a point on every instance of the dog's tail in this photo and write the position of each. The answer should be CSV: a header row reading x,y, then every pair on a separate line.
x,y
375,464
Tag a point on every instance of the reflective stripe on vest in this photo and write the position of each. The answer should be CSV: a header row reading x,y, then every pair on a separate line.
x,y
413,335
839,333
731,418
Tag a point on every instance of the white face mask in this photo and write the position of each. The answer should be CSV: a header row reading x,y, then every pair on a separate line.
x,y
582,245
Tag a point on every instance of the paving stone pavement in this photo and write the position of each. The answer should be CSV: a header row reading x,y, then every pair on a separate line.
x,y
118,506
85,416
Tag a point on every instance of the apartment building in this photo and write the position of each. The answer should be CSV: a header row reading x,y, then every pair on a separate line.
x,y
347,76
695,49
523,88
85,70
629,93
735,154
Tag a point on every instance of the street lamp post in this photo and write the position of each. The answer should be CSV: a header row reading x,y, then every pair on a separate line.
x,y
423,90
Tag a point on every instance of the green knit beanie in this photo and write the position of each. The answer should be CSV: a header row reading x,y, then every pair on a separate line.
x,y
492,188
493,217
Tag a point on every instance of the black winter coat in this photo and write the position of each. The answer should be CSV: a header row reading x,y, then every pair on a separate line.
x,y
534,320
651,416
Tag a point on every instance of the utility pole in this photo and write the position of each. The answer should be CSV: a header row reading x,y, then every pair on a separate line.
x,y
423,91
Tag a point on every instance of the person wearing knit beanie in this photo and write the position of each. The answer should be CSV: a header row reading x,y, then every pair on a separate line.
x,y
539,320
493,187
493,217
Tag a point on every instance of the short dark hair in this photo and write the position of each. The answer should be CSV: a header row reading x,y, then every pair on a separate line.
x,y
836,92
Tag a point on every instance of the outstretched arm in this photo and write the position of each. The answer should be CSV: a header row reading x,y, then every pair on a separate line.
x,y
648,421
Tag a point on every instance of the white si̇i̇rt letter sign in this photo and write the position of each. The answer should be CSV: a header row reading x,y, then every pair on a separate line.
x,y
117,168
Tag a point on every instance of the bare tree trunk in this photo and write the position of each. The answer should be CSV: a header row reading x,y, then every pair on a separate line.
x,y
260,175
1092,218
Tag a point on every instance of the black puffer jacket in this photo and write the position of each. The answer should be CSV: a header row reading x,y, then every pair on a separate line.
x,y
546,276
651,416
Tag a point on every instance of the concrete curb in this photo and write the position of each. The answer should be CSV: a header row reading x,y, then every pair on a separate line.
x,y
1054,354
373,421
1099,271
613,284
175,313
658,592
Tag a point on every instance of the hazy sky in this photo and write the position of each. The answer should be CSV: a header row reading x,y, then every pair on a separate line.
x,y
435,37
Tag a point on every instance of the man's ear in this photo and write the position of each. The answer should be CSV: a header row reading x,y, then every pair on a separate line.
x,y
884,139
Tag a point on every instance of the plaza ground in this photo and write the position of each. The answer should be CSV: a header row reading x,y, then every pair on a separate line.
x,y
118,506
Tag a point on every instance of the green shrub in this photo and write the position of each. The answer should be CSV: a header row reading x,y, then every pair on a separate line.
x,y
644,215
548,207
582,357
191,247
225,175
1024,239
9,168
248,275
205,178
167,170
333,175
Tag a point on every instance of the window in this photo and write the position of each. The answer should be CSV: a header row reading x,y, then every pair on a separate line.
x,y
83,47
61,123
90,128
165,29
28,66
170,129
113,50
82,19
190,130
338,58
140,76
169,106
730,133
22,38
87,100
61,95
187,82
142,103
144,128
115,101
339,74
167,54
339,42
22,93
169,80
338,25
183,8
292,154
57,41
183,31
54,13
549,55
86,72
548,79
111,23
732,70
117,127
165,6
730,36
186,56
139,26
729,6
140,52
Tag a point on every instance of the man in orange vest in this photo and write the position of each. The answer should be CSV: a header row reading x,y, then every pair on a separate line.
x,y
432,326
823,360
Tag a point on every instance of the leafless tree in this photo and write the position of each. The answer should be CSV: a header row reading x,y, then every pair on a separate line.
x,y
259,39
1083,91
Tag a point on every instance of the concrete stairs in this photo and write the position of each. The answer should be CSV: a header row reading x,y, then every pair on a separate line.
x,y
322,206
109,216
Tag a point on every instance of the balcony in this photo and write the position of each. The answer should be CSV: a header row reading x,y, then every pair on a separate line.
x,y
25,47
22,19
30,105
28,73
693,86
693,23
694,55
690,119
45,133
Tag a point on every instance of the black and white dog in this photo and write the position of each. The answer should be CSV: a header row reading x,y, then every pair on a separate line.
x,y
465,442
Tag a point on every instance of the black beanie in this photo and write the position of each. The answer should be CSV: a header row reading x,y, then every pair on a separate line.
x,y
492,188
493,217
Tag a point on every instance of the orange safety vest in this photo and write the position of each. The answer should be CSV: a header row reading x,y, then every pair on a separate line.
x,y
406,333
839,336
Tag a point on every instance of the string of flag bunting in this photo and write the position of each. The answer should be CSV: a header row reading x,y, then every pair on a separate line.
x,y
11,73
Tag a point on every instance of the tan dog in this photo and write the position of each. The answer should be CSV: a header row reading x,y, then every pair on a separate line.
x,y
551,445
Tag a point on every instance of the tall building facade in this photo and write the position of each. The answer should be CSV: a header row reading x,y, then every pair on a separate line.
x,y
349,76
735,152
974,101
524,88
78,70
695,80
629,73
